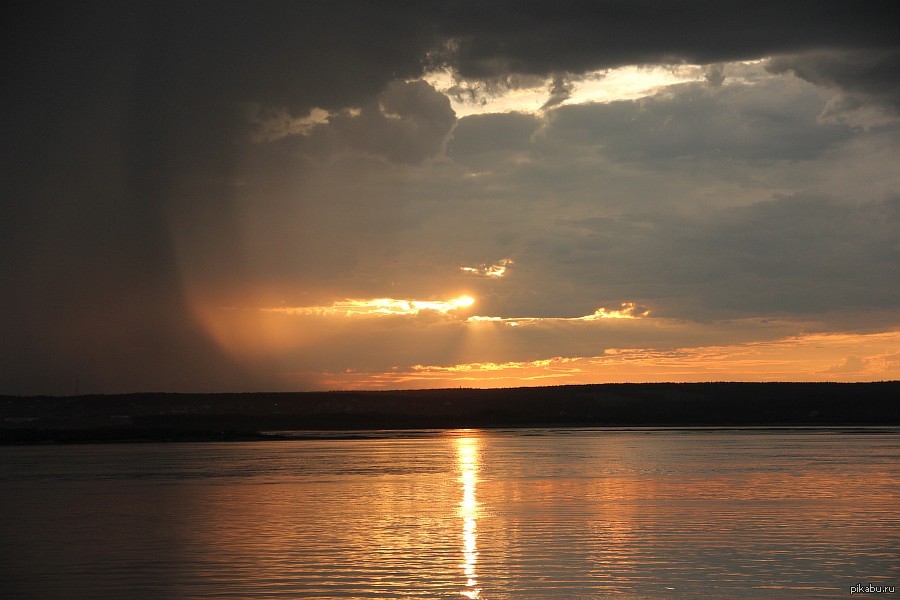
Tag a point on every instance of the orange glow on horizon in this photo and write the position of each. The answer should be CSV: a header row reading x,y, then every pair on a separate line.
x,y
816,357
390,343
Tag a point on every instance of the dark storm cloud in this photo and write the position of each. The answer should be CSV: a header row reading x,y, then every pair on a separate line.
x,y
864,75
329,55
122,118
407,123
801,254
540,37
122,123
492,134
744,122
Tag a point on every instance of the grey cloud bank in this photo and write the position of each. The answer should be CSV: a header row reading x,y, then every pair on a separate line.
x,y
135,199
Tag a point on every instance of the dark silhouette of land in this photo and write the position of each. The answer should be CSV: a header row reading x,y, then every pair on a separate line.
x,y
184,417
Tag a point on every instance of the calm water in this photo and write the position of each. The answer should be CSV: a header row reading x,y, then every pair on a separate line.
x,y
503,514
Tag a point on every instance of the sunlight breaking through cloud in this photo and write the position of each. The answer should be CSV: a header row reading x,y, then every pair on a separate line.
x,y
494,271
392,306
377,307
629,310
533,94
626,310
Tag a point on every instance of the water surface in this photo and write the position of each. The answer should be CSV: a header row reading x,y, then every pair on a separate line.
x,y
479,514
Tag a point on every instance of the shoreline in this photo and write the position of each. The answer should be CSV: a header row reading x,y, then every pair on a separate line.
x,y
31,437
149,417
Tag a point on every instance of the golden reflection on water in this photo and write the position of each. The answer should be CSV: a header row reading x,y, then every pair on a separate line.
x,y
564,513
467,450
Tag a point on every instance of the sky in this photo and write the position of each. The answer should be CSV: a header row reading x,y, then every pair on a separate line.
x,y
241,196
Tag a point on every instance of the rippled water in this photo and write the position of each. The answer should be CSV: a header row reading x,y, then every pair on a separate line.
x,y
502,514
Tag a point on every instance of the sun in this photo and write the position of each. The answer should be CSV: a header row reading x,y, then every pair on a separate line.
x,y
463,301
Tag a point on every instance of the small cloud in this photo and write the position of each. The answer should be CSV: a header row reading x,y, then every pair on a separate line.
x,y
408,123
627,310
273,124
560,90
852,364
490,94
851,110
714,75
494,271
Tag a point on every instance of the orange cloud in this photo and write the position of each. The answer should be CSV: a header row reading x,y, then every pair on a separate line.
x,y
626,310
377,307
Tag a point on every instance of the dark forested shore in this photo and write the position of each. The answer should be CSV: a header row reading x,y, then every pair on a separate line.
x,y
206,417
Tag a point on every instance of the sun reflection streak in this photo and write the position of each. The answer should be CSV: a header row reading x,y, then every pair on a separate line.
x,y
467,451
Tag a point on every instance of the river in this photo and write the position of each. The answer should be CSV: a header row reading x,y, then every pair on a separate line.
x,y
493,514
